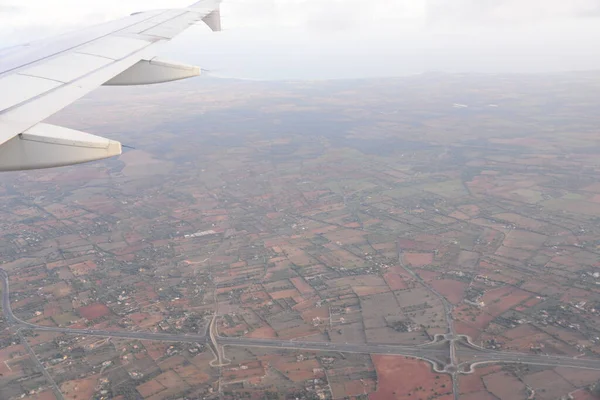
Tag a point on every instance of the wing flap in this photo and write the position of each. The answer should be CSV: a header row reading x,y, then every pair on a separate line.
x,y
41,78
48,146
114,47
18,119
153,71
68,67
15,89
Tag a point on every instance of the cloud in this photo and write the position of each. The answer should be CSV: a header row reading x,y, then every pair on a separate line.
x,y
509,11
9,9
320,15
276,36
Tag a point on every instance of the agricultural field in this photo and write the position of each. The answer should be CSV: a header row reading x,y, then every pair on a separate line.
x,y
313,240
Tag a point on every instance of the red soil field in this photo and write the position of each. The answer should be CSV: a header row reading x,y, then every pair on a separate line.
x,y
80,388
594,188
37,275
296,371
58,290
191,374
239,264
253,370
464,328
45,395
305,305
426,275
548,384
394,281
520,331
275,242
82,268
138,317
255,298
478,396
400,377
301,285
297,332
423,244
52,309
578,377
282,294
510,252
170,379
5,370
505,303
42,337
453,291
574,294
493,294
149,388
417,259
566,260
94,311
524,240
482,319
582,394
264,332
319,312
505,386
470,210
358,387
352,225
370,290
234,330
459,215
56,264
171,362
232,288
472,383
155,350
532,302
390,246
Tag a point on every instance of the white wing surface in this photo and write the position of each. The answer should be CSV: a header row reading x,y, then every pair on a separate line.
x,y
39,79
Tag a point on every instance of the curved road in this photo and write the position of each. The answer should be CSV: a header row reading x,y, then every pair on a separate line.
x,y
442,354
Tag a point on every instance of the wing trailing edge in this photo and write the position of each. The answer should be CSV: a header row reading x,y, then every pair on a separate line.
x,y
153,71
38,81
48,146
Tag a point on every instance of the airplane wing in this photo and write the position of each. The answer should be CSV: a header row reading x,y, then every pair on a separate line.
x,y
41,78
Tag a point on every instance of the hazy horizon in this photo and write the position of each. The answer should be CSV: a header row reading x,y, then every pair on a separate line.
x,y
275,39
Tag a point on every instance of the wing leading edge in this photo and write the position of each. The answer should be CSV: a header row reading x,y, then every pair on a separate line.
x,y
39,79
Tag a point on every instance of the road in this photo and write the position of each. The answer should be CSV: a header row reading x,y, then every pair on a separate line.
x,y
13,320
452,354
439,356
452,367
485,357
57,393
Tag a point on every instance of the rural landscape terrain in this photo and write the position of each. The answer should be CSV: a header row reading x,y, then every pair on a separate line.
x,y
428,237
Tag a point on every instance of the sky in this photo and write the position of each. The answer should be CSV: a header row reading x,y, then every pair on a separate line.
x,y
327,39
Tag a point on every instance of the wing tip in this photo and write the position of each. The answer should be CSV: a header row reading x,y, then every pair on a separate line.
x,y
213,20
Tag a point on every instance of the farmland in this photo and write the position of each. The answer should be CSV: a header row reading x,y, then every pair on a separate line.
x,y
295,212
